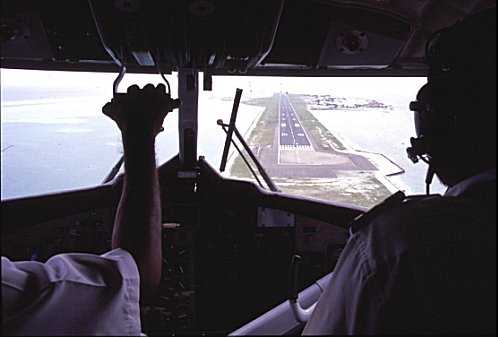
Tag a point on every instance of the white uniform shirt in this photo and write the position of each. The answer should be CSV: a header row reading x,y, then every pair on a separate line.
x,y
427,266
72,294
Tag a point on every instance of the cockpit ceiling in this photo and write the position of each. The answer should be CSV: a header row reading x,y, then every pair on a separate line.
x,y
224,37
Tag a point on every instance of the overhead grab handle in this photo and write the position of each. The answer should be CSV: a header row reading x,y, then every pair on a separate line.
x,y
301,315
118,79
143,57
108,49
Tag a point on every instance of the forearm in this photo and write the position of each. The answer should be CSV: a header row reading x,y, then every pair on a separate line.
x,y
137,225
140,114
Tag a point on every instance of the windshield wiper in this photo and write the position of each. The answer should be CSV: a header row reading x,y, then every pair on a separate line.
x,y
114,171
231,129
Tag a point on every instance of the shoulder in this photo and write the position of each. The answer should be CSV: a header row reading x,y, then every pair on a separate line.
x,y
36,295
105,269
424,223
435,210
399,209
124,260
397,205
79,268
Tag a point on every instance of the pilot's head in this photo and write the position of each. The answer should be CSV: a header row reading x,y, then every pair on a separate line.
x,y
456,111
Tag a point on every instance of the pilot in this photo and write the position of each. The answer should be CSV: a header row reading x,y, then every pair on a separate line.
x,y
429,265
86,294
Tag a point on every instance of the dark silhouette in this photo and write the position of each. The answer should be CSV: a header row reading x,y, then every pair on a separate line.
x,y
428,265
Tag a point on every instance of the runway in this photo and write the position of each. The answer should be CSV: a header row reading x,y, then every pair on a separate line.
x,y
294,153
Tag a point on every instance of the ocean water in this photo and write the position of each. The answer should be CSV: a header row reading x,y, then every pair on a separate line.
x,y
64,145
381,131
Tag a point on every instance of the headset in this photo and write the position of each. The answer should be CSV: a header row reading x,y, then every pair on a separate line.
x,y
419,149
421,108
437,123
439,117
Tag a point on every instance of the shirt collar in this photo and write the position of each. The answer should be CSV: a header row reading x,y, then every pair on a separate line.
x,y
461,187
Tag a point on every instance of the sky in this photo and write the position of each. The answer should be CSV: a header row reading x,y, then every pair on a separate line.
x,y
321,85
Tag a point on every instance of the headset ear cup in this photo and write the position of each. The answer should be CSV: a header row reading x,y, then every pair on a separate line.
x,y
421,115
436,120
417,120
418,146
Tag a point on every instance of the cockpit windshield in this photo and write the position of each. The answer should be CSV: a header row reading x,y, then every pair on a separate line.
x,y
338,139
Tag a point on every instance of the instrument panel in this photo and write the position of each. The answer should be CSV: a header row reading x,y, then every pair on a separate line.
x,y
227,248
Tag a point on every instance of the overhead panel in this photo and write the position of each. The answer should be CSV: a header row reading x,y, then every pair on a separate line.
x,y
23,36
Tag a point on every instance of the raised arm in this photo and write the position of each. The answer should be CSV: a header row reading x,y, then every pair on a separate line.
x,y
139,114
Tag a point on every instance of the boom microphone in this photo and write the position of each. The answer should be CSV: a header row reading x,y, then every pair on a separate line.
x,y
417,149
